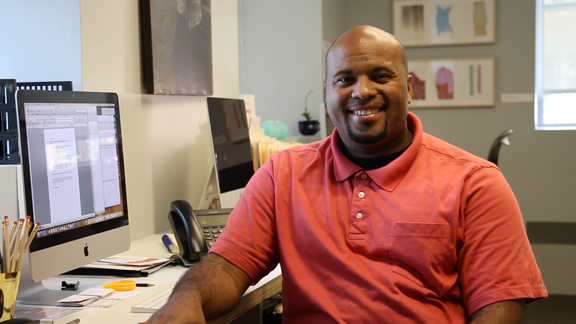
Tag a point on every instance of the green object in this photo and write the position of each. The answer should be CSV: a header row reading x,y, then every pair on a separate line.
x,y
276,129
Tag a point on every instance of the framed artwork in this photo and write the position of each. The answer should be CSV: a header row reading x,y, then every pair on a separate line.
x,y
452,82
444,22
176,40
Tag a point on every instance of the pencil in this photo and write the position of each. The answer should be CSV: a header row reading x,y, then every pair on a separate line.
x,y
27,245
4,244
2,250
20,249
8,247
16,243
144,284
6,241
17,228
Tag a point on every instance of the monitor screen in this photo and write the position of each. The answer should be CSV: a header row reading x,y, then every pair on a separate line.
x,y
74,183
231,145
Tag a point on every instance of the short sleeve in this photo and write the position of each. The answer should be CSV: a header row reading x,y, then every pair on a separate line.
x,y
496,261
249,239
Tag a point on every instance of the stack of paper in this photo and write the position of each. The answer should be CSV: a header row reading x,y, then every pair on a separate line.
x,y
264,146
124,266
133,261
86,297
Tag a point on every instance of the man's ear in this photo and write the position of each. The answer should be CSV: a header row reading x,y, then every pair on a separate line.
x,y
409,87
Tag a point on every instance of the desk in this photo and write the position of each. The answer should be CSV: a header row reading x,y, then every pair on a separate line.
x,y
152,246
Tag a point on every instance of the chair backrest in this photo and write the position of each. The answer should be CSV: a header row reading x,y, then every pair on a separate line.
x,y
495,148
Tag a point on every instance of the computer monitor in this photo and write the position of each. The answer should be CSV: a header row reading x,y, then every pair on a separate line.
x,y
74,183
231,147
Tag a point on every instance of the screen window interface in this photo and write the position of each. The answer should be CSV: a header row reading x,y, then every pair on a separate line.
x,y
74,165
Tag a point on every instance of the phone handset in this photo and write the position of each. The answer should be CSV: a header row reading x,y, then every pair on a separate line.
x,y
188,233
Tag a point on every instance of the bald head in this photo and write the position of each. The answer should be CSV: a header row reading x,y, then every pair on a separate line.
x,y
365,34
368,92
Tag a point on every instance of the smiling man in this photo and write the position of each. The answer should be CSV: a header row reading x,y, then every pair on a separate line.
x,y
368,92
378,223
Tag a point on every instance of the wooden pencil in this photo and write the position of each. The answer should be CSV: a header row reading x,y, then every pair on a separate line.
x,y
20,248
8,247
27,245
16,244
4,239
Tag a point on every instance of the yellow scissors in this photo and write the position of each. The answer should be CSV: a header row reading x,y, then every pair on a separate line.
x,y
122,285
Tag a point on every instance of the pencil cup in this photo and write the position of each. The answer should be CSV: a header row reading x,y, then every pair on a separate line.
x,y
8,292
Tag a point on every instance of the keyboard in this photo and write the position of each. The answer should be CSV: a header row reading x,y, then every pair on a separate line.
x,y
153,303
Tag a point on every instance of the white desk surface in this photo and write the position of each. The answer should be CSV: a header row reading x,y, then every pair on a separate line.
x,y
152,246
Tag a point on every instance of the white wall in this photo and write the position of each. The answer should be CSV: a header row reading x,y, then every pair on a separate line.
x,y
281,57
8,192
167,147
40,41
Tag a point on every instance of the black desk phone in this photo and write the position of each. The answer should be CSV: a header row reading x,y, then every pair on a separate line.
x,y
195,230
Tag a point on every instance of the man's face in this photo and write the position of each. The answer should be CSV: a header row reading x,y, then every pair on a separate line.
x,y
367,94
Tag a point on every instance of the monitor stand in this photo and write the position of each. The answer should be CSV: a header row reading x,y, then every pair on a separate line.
x,y
36,293
229,199
211,194
213,199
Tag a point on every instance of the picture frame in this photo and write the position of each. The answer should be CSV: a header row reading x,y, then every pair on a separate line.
x,y
452,82
176,45
444,22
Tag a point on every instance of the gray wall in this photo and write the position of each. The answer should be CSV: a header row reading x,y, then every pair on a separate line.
x,y
280,54
334,13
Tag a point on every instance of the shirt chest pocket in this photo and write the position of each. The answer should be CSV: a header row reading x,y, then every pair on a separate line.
x,y
424,254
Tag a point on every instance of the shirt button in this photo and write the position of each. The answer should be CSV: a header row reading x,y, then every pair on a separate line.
x,y
363,176
361,194
359,215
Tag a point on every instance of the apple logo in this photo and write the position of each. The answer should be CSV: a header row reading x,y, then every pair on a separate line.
x,y
86,252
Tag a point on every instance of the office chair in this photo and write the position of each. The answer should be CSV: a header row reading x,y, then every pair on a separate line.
x,y
495,148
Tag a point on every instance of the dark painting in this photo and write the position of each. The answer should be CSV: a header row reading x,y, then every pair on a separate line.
x,y
176,47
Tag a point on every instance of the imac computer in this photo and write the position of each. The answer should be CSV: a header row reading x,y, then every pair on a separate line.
x,y
74,184
231,148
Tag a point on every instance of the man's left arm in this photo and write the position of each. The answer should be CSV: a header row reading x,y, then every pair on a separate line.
x,y
503,312
495,260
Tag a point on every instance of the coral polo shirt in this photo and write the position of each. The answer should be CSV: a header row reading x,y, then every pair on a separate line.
x,y
430,238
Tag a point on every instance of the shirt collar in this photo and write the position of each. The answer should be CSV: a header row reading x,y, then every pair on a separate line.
x,y
387,177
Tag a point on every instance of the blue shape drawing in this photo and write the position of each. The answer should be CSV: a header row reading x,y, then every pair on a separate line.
x,y
443,19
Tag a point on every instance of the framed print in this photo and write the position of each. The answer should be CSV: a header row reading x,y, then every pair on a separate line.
x,y
452,82
444,22
176,41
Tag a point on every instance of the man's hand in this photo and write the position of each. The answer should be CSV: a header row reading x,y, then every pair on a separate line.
x,y
209,289
504,312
